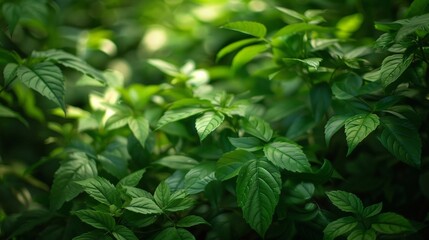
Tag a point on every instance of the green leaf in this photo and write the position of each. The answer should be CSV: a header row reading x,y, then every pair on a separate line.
x,y
372,210
140,128
70,61
45,78
132,179
320,98
393,66
300,27
391,223
173,233
177,114
248,143
165,67
345,201
257,127
199,176
258,191
64,187
10,73
96,234
287,155
417,7
234,46
207,123
339,227
190,221
123,233
246,54
359,234
252,28
101,190
113,164
230,163
401,139
12,14
162,195
347,86
7,112
311,62
143,205
25,221
358,127
412,25
179,202
96,219
292,13
333,125
299,193
177,162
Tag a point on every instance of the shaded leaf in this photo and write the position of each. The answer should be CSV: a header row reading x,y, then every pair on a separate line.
x,y
287,155
391,223
230,163
358,127
248,143
257,127
258,191
339,227
143,205
372,210
96,219
320,98
177,162
173,233
199,176
132,179
10,73
123,233
333,125
7,112
96,234
165,67
101,190
345,201
359,234
252,28
190,221
393,66
207,123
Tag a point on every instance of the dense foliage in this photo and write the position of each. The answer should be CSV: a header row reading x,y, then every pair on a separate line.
x,y
204,119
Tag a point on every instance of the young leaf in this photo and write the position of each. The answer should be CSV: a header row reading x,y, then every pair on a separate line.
x,y
173,233
287,155
132,179
177,162
246,54
248,143
401,139
162,195
123,233
45,78
140,128
333,125
143,205
230,163
320,98
71,61
358,127
199,176
258,192
347,202
359,234
96,219
372,210
391,223
234,46
190,221
101,190
257,127
339,227
65,188
207,123
252,28
393,66
177,114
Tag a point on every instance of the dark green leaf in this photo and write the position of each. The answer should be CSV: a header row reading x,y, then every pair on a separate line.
x,y
258,191
28,220
411,25
96,234
391,223
417,7
347,202
71,61
190,221
173,233
358,127
113,164
333,125
230,163
339,227
372,210
65,188
101,190
246,54
123,233
177,162
207,123
234,46
140,128
12,13
402,139
248,143
199,176
143,205
320,98
299,193
393,66
252,28
359,234
10,73
162,195
7,112
96,219
287,155
257,127
347,86
132,179
45,78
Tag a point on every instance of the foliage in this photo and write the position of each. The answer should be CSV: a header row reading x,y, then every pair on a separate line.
x,y
280,120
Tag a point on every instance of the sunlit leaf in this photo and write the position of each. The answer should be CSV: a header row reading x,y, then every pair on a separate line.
x,y
235,46
358,127
248,143
411,25
258,191
140,128
177,114
300,27
252,28
246,54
